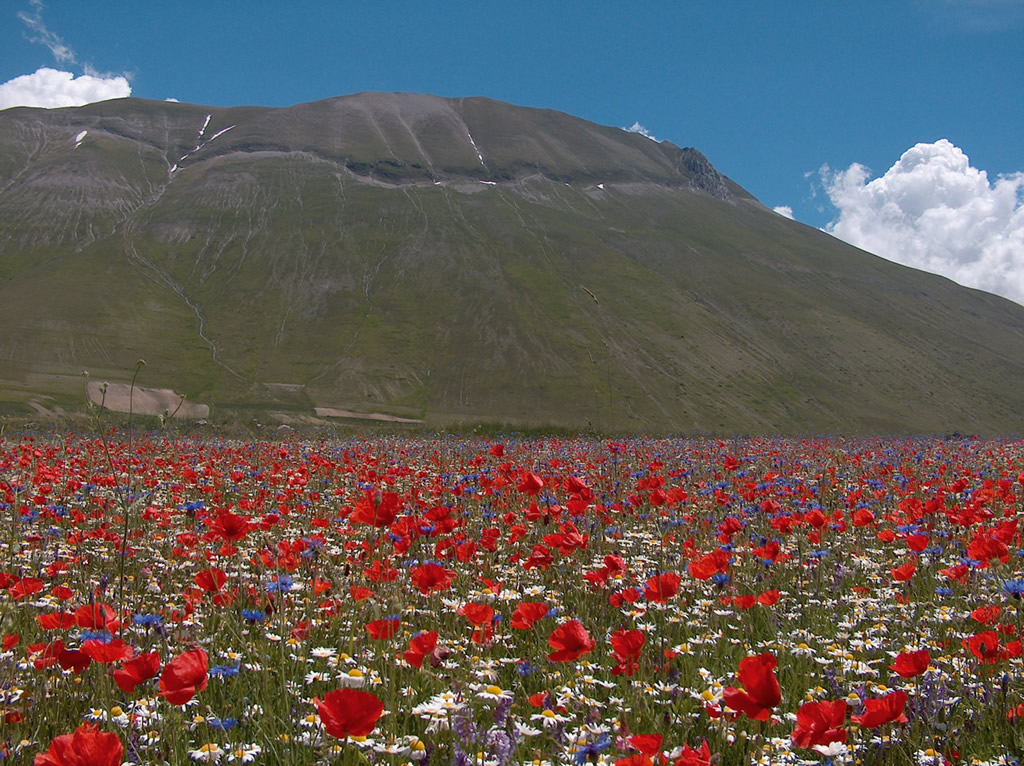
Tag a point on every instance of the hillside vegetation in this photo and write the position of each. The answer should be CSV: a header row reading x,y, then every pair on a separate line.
x,y
461,261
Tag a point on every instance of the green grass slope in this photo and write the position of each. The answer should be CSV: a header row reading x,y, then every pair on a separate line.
x,y
462,261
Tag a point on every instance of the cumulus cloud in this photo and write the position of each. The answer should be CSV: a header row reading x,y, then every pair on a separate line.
x,y
934,211
636,127
51,88
785,211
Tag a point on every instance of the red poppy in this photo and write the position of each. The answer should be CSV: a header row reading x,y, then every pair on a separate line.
x,y
478,614
904,572
105,652
56,621
62,592
760,693
420,646
382,630
746,601
626,648
661,588
986,615
377,509
984,646
910,664
530,484
349,712
378,572
74,659
359,592
137,671
230,526
527,613
637,759
183,676
691,757
647,744
704,567
570,641
986,548
431,577
48,654
26,586
959,573
881,711
917,543
862,517
820,723
97,616
540,558
211,580
816,518
87,746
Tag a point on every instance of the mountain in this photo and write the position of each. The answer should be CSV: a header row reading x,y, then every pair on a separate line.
x,y
461,261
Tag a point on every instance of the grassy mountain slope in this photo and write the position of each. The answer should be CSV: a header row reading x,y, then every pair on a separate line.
x,y
462,261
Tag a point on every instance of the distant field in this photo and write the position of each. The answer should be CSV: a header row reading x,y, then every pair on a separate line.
x,y
390,599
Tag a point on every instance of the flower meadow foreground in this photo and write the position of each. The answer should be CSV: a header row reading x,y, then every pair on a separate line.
x,y
395,600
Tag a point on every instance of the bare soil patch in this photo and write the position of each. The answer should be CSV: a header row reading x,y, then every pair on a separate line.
x,y
119,397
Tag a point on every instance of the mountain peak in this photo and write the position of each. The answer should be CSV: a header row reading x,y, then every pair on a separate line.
x,y
459,260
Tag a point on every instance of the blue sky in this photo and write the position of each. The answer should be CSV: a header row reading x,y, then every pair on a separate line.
x,y
805,104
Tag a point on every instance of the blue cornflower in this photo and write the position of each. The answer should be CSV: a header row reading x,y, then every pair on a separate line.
x,y
281,584
96,635
720,578
253,615
225,671
1014,588
223,723
591,750
148,620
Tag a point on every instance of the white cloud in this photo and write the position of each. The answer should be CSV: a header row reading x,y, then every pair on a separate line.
x,y
51,88
40,34
785,211
932,210
636,127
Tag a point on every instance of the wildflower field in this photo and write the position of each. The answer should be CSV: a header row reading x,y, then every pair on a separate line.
x,y
392,600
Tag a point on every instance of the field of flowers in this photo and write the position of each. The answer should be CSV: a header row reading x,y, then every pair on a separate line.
x,y
560,601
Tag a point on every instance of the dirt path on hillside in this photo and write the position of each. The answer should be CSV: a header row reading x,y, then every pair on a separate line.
x,y
330,412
